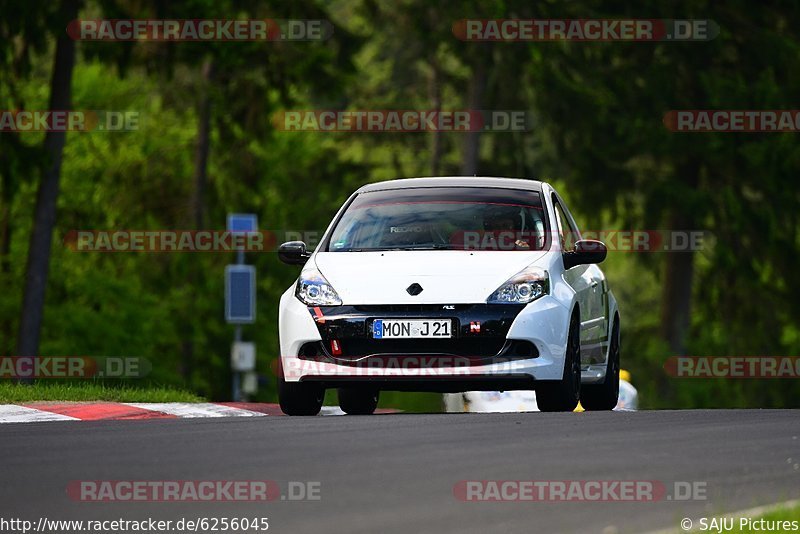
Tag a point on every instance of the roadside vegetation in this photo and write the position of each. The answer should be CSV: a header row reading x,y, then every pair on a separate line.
x,y
207,145
11,393
774,518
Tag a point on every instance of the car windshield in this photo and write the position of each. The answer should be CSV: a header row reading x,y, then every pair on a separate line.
x,y
442,218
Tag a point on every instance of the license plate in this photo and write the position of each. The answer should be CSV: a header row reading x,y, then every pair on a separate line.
x,y
411,329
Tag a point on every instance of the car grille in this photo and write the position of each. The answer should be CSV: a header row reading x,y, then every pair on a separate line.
x,y
397,308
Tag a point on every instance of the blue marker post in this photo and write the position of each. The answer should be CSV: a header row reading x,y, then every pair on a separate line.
x,y
240,291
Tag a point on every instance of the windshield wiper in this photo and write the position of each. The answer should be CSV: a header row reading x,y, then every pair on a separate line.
x,y
376,249
436,246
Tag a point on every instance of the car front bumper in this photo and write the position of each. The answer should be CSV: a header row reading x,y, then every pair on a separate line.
x,y
495,346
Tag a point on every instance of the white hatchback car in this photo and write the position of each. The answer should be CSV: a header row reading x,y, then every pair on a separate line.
x,y
449,285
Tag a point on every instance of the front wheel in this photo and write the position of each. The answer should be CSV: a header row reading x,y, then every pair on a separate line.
x,y
299,398
604,396
354,401
563,395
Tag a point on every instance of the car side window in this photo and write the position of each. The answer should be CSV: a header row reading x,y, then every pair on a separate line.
x,y
568,234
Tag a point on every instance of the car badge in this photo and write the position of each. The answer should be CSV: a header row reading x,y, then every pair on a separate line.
x,y
414,289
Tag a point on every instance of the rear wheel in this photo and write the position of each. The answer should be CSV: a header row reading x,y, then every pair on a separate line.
x,y
299,398
604,396
563,395
358,401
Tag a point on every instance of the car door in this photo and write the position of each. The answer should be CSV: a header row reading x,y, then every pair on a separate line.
x,y
587,282
600,328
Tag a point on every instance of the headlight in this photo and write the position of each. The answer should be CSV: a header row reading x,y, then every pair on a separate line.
x,y
522,288
313,290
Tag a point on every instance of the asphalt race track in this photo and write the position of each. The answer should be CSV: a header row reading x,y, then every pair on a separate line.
x,y
396,472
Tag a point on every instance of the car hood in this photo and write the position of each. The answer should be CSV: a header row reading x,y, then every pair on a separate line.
x,y
446,276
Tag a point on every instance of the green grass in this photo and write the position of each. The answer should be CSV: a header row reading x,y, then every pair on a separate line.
x,y
778,514
11,393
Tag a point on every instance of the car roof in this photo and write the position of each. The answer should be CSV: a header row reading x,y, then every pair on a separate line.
x,y
453,181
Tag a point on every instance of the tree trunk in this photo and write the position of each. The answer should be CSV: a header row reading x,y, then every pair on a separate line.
x,y
47,195
676,299
435,95
677,296
198,200
477,87
202,147
5,252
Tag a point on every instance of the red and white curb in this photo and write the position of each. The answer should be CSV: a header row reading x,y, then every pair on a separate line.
x,y
105,411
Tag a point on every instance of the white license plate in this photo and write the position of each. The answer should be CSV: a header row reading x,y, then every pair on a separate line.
x,y
411,329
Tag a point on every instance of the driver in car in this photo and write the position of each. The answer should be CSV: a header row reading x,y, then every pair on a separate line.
x,y
500,224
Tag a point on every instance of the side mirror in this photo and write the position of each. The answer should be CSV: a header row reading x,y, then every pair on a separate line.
x,y
293,253
586,251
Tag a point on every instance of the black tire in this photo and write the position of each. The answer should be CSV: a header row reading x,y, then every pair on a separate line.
x,y
604,396
298,398
563,395
358,401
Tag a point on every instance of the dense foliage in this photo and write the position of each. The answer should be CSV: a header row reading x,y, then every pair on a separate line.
x,y
597,134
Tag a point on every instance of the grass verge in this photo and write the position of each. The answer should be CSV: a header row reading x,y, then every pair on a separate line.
x,y
12,393
776,520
